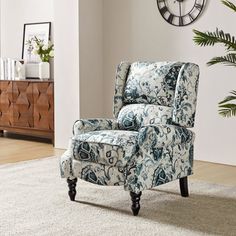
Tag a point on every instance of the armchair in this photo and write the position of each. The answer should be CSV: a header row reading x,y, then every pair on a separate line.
x,y
148,143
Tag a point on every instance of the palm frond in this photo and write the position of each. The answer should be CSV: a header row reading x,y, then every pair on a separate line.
x,y
229,4
228,110
228,60
229,98
211,38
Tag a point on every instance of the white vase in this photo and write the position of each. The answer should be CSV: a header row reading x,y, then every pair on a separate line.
x,y
44,70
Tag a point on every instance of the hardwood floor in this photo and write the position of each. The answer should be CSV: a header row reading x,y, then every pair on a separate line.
x,y
14,149
214,173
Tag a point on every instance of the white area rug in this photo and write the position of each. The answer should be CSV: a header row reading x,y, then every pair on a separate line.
x,y
34,201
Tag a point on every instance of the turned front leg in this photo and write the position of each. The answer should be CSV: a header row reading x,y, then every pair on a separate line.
x,y
135,202
72,188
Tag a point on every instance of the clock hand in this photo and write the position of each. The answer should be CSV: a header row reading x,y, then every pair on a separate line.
x,y
180,10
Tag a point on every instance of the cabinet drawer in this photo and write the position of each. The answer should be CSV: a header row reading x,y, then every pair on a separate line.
x,y
43,105
27,107
23,104
6,103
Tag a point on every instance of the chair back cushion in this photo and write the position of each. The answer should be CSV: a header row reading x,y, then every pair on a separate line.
x,y
155,92
152,83
134,116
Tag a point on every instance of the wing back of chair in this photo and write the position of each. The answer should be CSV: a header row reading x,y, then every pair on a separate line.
x,y
154,93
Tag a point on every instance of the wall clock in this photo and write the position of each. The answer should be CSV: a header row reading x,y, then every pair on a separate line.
x,y
180,12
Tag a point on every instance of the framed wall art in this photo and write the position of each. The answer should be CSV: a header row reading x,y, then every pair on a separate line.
x,y
42,32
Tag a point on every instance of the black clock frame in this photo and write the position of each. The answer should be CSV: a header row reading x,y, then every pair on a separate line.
x,y
196,5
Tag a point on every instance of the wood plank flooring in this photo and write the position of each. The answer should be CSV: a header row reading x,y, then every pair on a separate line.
x,y
14,149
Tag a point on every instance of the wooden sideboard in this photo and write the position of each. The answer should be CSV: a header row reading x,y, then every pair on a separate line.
x,y
27,107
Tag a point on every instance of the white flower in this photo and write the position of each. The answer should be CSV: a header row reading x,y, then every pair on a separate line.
x,y
51,54
35,52
36,47
45,47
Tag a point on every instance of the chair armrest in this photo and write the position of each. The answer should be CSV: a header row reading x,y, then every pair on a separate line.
x,y
86,125
158,136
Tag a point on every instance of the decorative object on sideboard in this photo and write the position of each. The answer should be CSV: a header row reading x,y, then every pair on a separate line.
x,y
32,70
180,12
31,30
12,69
44,70
20,70
38,70
45,52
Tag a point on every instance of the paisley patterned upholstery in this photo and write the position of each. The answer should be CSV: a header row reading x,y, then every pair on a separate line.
x,y
83,126
134,116
97,173
148,143
152,83
185,100
108,147
121,76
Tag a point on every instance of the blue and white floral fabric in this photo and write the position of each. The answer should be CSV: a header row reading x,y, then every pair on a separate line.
x,y
85,125
121,76
134,116
185,99
109,147
148,143
99,173
152,83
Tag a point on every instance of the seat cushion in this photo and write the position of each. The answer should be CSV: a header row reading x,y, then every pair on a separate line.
x,y
109,147
134,116
152,83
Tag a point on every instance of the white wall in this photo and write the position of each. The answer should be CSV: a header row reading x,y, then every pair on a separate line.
x,y
135,30
65,18
14,14
91,58
67,99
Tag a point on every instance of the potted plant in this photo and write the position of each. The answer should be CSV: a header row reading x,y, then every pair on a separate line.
x,y
45,52
226,107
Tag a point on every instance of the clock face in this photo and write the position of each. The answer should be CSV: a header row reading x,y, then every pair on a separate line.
x,y
180,12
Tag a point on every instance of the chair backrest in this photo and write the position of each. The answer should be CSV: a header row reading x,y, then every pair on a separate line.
x,y
155,93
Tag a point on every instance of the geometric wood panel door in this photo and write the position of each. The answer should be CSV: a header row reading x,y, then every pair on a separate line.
x,y
27,107
23,104
43,105
6,103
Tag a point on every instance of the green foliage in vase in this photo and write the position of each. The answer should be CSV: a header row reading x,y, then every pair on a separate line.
x,y
45,51
226,107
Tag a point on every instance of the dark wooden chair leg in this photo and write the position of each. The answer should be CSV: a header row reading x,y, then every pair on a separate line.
x,y
183,183
72,188
135,202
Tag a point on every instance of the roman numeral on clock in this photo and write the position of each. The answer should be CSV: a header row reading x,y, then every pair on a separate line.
x,y
181,21
170,18
190,17
163,10
198,6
